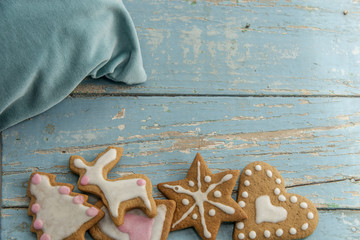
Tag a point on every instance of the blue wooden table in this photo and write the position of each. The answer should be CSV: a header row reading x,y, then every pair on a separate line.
x,y
237,81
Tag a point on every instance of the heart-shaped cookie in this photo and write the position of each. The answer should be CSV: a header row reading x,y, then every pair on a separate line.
x,y
272,212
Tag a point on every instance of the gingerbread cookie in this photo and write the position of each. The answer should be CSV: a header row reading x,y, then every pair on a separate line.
x,y
272,212
136,226
203,199
58,213
119,195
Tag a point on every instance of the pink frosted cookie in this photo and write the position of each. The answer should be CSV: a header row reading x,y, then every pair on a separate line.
x,y
136,226
272,212
118,195
203,200
58,213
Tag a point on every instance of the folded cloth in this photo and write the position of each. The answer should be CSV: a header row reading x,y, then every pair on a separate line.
x,y
47,47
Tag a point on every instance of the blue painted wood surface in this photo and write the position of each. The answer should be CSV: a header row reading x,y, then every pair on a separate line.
x,y
213,67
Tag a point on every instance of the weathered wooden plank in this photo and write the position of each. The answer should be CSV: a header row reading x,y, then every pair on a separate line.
x,y
245,47
309,140
342,225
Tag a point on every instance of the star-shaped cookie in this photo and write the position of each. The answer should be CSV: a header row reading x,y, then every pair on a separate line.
x,y
203,199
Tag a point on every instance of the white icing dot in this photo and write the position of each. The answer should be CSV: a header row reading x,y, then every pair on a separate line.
x,y
282,198
185,201
194,216
278,180
217,194
267,233
240,225
292,231
293,199
277,191
279,232
303,205
252,234
247,183
310,215
269,173
242,204
207,179
191,183
248,172
258,168
212,212
241,236
245,194
304,226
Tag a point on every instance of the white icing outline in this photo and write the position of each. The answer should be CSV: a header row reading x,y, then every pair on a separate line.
x,y
200,198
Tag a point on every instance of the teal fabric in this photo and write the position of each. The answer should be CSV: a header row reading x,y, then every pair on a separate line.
x,y
47,47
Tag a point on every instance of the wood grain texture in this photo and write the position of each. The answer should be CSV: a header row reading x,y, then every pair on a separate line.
x,y
275,47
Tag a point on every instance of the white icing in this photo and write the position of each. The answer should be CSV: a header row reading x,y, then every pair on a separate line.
x,y
277,191
303,205
115,191
207,179
304,226
292,231
269,173
108,227
279,232
247,183
191,183
241,236
60,216
258,168
267,234
185,201
194,216
310,215
248,172
242,204
200,198
293,199
266,212
282,198
252,234
212,212
278,180
240,225
245,194
217,194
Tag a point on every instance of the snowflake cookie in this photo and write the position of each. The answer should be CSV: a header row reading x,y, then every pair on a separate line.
x,y
272,212
203,200
58,213
136,226
118,195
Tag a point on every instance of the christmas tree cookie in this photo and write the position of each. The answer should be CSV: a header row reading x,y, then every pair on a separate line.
x,y
118,195
58,213
203,200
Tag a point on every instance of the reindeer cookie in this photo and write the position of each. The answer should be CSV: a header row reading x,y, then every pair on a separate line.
x,y
118,195
58,213
272,212
136,226
203,199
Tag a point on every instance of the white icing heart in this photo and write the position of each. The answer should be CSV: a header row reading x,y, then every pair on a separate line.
x,y
266,212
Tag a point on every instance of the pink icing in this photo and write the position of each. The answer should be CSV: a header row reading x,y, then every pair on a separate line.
x,y
92,212
141,182
78,199
35,207
84,180
45,237
38,224
64,190
36,179
138,227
